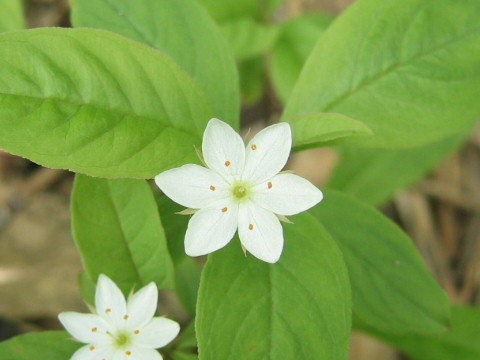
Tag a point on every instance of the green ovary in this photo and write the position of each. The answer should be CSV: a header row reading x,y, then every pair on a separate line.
x,y
240,191
121,340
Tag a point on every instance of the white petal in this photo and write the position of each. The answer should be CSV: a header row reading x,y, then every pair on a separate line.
x,y
260,232
223,149
98,353
192,185
286,194
141,306
267,153
157,333
144,354
86,328
110,302
211,228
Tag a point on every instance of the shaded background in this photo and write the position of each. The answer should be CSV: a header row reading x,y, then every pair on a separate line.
x,y
39,264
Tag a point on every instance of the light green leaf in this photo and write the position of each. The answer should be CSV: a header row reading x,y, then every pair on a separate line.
x,y
11,15
295,42
184,31
97,103
226,10
118,232
392,289
187,280
87,288
252,80
373,176
249,38
407,69
310,130
52,345
298,308
460,342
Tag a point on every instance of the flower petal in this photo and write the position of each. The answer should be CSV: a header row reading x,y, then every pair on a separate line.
x,y
157,333
211,228
109,301
141,306
95,353
138,353
260,232
286,194
223,149
86,328
192,185
267,153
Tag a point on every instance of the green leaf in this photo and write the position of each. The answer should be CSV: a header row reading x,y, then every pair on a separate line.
x,y
392,289
87,288
295,42
118,232
373,176
249,38
96,103
11,15
407,69
298,308
226,10
52,345
187,281
184,31
460,342
252,80
310,130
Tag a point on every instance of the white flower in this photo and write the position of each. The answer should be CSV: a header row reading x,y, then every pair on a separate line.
x,y
120,330
241,187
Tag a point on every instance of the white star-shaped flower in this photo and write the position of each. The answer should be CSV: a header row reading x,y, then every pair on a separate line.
x,y
240,188
120,330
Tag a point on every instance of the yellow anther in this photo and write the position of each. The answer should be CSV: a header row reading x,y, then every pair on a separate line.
x,y
250,227
212,187
224,209
94,329
91,348
128,352
253,147
136,332
125,317
227,163
108,311
269,185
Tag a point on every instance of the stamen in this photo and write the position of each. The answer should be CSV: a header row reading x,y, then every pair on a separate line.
x,y
224,209
136,332
94,329
250,227
125,317
227,163
128,352
253,147
212,187
108,311
269,185
91,348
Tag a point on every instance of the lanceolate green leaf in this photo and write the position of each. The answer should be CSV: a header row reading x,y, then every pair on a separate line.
x,y
460,342
407,69
373,175
392,289
312,129
183,30
118,232
52,345
97,103
11,15
298,308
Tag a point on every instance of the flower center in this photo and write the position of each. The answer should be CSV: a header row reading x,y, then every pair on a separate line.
x,y
240,191
121,340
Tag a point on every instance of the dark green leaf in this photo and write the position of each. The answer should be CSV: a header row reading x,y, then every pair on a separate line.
x,y
392,289
184,31
407,69
252,79
97,103
118,232
187,280
298,308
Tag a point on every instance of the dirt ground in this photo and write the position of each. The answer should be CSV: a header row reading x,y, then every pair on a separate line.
x,y
39,264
